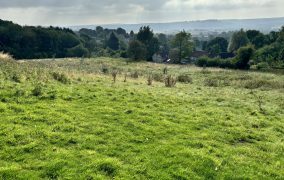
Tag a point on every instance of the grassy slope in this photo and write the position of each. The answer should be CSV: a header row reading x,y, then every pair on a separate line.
x,y
93,128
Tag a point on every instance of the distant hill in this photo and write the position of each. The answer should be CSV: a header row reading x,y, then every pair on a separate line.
x,y
264,25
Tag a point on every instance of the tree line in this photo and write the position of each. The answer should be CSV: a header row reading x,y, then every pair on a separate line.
x,y
239,49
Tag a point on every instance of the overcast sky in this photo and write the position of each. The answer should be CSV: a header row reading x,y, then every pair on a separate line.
x,y
82,12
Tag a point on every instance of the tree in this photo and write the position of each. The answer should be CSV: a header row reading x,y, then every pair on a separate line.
x,y
174,55
121,31
146,36
78,51
217,46
239,39
244,55
132,35
182,41
137,50
113,42
257,38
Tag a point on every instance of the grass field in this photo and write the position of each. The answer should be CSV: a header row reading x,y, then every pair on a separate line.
x,y
67,119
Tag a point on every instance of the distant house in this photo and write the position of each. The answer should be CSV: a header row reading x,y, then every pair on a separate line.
x,y
197,54
226,55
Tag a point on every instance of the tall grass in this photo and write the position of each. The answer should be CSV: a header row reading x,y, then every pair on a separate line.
x,y
5,57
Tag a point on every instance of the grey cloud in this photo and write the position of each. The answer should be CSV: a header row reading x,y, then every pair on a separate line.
x,y
56,12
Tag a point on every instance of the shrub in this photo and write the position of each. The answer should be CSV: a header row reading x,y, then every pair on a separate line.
x,y
227,63
215,62
114,75
165,70
262,83
125,77
78,51
150,80
244,55
105,69
38,90
211,82
158,77
170,81
185,79
5,57
174,56
262,65
108,168
17,78
134,75
137,50
20,92
203,61
60,77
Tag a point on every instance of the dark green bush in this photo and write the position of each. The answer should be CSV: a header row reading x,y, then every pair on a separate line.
x,y
215,62
105,69
108,168
201,62
263,65
184,79
38,90
60,77
244,55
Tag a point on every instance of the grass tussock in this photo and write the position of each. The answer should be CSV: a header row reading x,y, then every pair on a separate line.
x,y
5,57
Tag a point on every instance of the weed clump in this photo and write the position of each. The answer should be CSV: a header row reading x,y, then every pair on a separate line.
x,y
184,79
114,75
158,77
150,80
5,57
38,90
105,69
20,93
165,70
16,77
108,168
211,82
170,81
135,75
261,83
60,77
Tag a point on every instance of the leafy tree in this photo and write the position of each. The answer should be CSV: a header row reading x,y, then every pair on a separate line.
x,y
121,31
182,41
37,42
78,51
239,39
217,46
113,42
174,55
137,50
88,32
164,45
244,55
252,34
146,36
132,35
257,38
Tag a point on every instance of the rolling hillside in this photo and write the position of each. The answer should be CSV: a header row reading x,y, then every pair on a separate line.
x,y
67,119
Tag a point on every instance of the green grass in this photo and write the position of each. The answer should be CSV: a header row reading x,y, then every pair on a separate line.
x,y
67,120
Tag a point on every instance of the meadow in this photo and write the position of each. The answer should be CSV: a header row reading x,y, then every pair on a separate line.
x,y
106,118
